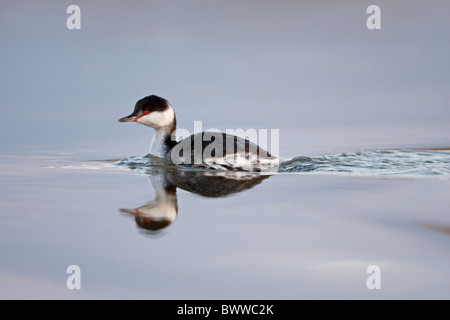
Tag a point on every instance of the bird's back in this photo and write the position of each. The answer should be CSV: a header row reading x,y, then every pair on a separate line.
x,y
217,150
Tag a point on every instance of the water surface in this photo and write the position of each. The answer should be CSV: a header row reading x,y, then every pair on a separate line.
x,y
286,235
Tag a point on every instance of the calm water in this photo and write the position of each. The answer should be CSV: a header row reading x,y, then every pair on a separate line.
x,y
363,118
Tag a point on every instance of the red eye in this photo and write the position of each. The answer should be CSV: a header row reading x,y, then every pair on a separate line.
x,y
146,112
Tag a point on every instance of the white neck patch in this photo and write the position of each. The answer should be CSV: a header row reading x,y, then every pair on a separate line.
x,y
158,119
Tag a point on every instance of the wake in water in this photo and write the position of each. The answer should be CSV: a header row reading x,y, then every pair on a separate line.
x,y
378,163
385,163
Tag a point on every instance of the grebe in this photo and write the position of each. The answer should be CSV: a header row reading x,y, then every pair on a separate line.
x,y
211,150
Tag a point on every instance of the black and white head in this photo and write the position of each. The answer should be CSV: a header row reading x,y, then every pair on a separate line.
x,y
152,111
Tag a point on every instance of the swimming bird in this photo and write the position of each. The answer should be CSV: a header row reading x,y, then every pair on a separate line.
x,y
209,149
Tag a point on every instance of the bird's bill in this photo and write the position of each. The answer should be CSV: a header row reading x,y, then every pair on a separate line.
x,y
129,118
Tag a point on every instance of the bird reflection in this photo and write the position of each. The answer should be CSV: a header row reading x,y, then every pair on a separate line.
x,y
162,211
159,213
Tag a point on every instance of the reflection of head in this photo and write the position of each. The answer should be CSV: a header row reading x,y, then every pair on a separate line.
x,y
151,224
159,213
154,216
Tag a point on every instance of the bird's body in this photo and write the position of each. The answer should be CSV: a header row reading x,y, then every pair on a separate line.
x,y
210,149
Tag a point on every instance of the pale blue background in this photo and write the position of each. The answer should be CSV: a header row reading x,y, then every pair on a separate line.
x,y
311,69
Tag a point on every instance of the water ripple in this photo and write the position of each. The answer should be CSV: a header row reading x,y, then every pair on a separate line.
x,y
377,163
396,163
